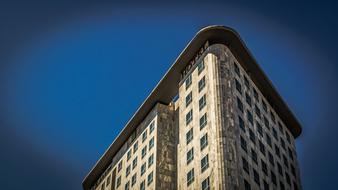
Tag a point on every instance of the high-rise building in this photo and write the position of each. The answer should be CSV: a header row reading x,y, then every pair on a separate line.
x,y
214,121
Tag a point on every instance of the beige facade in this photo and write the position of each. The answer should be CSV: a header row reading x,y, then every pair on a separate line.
x,y
223,129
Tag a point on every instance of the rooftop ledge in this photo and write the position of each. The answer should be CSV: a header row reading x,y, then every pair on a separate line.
x,y
167,88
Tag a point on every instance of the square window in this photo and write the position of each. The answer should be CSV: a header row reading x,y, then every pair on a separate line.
x,y
144,136
134,162
245,165
249,116
127,186
150,178
256,177
200,67
143,185
241,123
152,127
243,144
143,168
239,104
151,143
150,160
144,151
254,156
252,136
248,99
133,180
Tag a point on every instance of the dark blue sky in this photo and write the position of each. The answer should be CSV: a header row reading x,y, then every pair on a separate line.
x,y
72,74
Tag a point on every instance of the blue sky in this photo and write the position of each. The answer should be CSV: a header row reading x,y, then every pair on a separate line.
x,y
73,74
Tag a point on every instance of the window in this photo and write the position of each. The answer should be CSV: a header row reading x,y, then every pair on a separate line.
x,y
273,178
257,111
262,147
201,84
282,143
248,99
188,82
188,117
203,121
256,176
206,184
259,129
202,102
239,104
268,140
189,136
246,82
238,86
143,168
271,159
295,186
144,136
249,116
134,162
190,155
129,155
152,127
119,166
150,178
287,177
255,95
266,185
144,151
280,169
243,144
118,182
252,136
288,137
150,160
293,170
237,69
266,123
142,185
273,118
290,153
200,67
245,165
247,185
151,143
133,180
285,161
277,151
190,177
264,167
241,123
264,106
127,186
254,156
188,99
204,141
205,163
135,146
274,133
103,185
281,184
128,171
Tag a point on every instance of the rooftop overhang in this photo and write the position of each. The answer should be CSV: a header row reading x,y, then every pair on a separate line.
x,y
167,88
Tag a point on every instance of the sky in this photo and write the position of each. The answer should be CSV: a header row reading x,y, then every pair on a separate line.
x,y
72,75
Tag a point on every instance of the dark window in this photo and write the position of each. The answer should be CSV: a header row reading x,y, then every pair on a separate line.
x,y
200,67
282,143
257,111
262,147
202,102
264,106
190,155
255,95
249,116
287,177
243,144
206,184
188,99
293,170
268,140
266,185
201,84
188,82
271,159
273,178
246,82
274,133
252,136
237,69
256,177
281,184
204,141
245,165
259,128
295,186
266,123
254,156
288,137
277,151
273,118
203,121
248,99
241,123
290,153
280,169
190,177
239,104
238,86
204,163
188,117
264,167
189,136
247,185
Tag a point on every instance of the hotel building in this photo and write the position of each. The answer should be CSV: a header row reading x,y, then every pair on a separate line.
x,y
214,121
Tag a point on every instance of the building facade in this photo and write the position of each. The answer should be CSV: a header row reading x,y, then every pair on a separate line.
x,y
213,122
